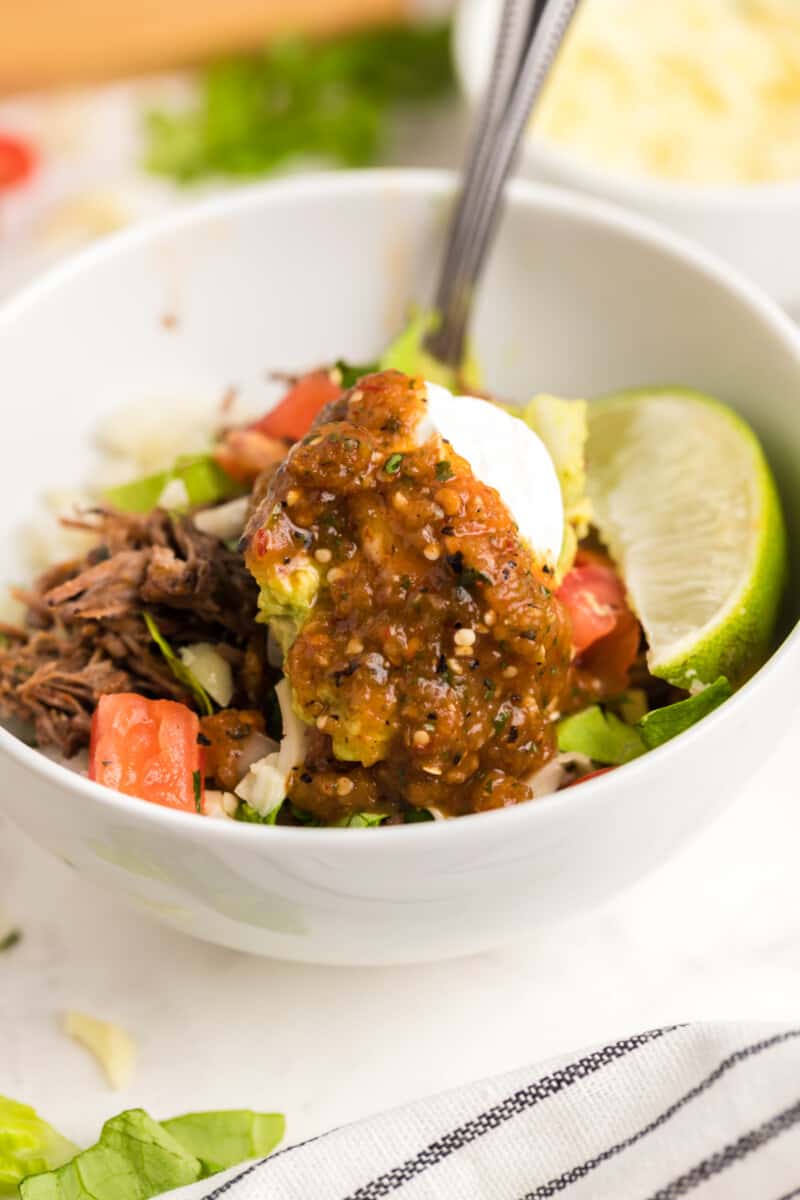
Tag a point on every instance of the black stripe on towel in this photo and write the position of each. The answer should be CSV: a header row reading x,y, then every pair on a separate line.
x,y
262,1162
558,1184
505,1110
731,1154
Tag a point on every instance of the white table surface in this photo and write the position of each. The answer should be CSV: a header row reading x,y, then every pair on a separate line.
x,y
715,933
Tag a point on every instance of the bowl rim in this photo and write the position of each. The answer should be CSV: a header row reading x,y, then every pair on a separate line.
x,y
435,184
573,170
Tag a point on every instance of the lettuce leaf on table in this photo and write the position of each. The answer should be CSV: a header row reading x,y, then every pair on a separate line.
x,y
223,1139
27,1145
137,1158
134,1159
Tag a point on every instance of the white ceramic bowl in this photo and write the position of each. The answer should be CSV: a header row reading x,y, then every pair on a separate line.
x,y
579,299
755,226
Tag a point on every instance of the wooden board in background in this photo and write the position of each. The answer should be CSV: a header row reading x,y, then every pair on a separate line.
x,y
48,43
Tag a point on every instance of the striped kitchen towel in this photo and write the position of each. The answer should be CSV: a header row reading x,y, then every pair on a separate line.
x,y
709,1111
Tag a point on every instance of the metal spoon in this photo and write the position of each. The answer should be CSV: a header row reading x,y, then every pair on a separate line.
x,y
529,38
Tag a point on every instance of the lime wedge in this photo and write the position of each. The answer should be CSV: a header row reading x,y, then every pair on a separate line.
x,y
685,501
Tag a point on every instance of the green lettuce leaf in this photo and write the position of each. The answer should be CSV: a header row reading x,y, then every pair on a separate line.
x,y
662,724
178,667
408,354
223,1139
350,373
361,820
134,1159
246,812
27,1145
601,736
415,816
204,480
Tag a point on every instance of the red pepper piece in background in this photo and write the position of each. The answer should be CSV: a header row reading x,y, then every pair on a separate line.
x,y
18,161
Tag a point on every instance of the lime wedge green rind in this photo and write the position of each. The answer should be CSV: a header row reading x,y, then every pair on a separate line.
x,y
685,500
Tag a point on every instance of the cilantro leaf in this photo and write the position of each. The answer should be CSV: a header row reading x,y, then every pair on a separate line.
x,y
300,99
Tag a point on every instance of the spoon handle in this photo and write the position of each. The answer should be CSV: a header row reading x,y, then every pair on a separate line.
x,y
529,38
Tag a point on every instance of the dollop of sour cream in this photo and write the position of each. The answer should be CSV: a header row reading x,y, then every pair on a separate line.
x,y
508,456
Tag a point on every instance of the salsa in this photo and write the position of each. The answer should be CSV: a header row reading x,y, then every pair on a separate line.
x,y
433,655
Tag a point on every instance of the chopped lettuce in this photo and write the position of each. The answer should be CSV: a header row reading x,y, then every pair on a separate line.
x,y
202,479
223,1139
606,739
361,820
245,812
408,354
350,373
305,818
631,705
562,426
179,669
27,1145
601,736
135,1158
662,724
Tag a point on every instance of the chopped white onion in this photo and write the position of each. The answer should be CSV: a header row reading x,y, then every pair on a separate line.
x,y
255,747
210,669
222,805
225,521
564,768
174,496
264,785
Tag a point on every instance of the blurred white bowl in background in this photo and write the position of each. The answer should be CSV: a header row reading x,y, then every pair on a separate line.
x,y
755,226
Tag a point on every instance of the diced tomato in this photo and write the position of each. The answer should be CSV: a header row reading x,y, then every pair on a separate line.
x,y
17,160
591,775
245,453
608,661
149,749
605,633
294,415
593,594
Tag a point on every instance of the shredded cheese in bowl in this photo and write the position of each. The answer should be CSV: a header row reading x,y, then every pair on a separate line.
x,y
699,91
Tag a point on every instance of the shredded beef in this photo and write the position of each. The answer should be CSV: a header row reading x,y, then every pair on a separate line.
x,y
85,635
